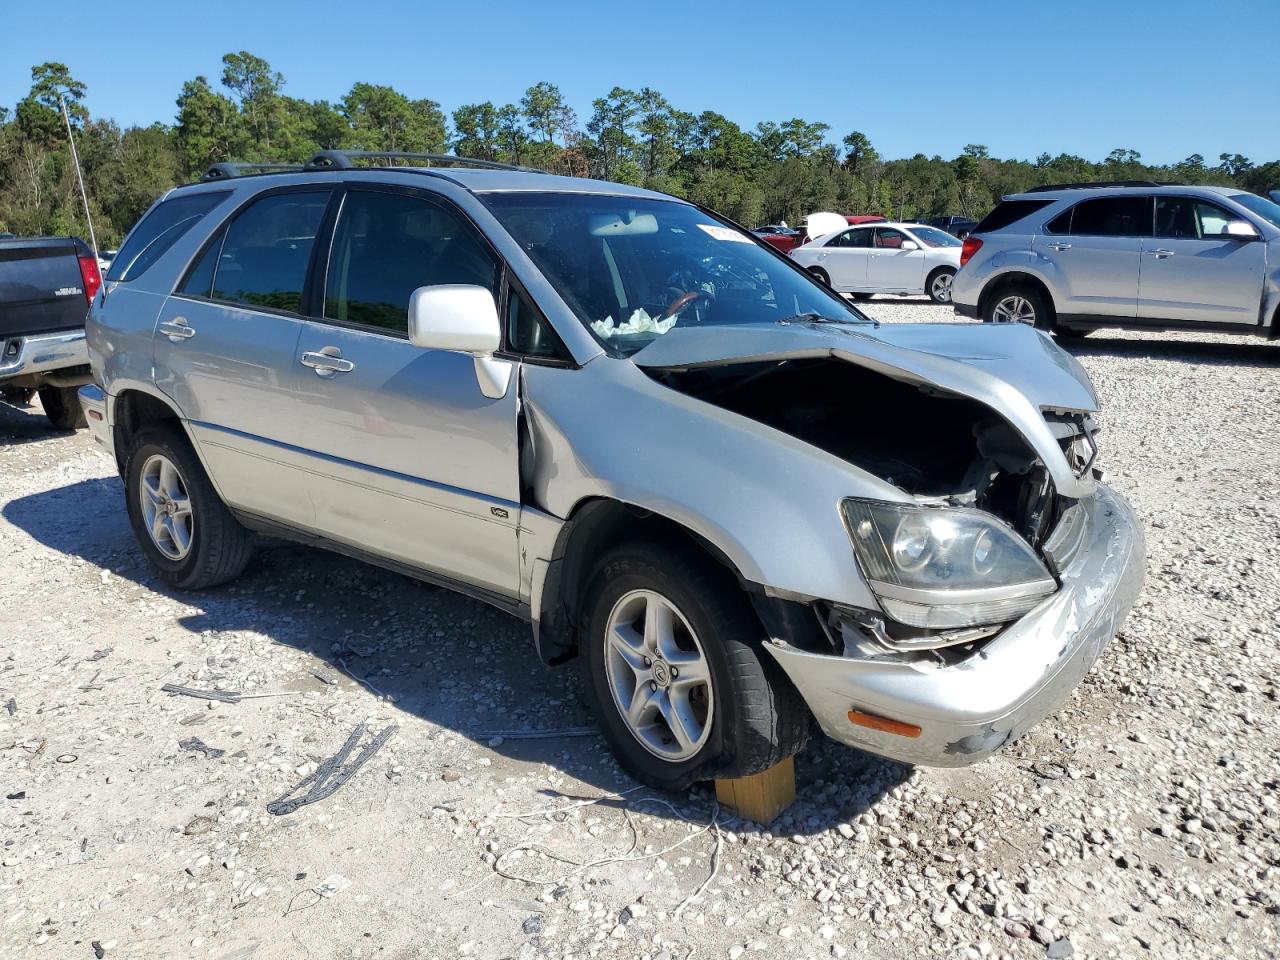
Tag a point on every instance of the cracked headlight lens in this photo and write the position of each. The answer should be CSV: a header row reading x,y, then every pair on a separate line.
x,y
944,566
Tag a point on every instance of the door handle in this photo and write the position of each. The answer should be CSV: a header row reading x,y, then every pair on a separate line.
x,y
1060,246
177,329
1161,253
327,361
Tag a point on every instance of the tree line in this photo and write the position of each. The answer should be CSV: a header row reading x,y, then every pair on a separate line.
x,y
776,171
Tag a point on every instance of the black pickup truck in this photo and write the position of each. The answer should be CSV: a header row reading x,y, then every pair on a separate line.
x,y
46,286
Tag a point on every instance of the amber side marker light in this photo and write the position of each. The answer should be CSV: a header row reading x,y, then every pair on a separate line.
x,y
883,724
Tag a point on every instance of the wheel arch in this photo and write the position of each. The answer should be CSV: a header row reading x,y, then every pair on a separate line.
x,y
1012,278
133,409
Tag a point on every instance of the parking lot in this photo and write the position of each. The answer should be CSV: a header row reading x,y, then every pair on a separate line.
x,y
1141,820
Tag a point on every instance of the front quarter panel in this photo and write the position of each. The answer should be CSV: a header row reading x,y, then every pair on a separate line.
x,y
767,501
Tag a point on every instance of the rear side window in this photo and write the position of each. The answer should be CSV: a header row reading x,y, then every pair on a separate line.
x,y
160,230
851,238
386,245
1109,217
266,250
1006,213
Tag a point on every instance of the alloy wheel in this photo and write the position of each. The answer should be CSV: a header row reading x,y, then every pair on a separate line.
x,y
166,507
940,289
659,675
1014,309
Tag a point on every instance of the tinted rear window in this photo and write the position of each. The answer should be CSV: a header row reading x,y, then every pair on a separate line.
x,y
160,230
1008,212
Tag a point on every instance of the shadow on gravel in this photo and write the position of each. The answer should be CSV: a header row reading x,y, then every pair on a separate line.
x,y
451,660
1218,353
26,424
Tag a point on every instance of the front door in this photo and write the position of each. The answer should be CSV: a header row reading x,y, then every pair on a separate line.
x,y
1191,272
892,267
224,352
409,459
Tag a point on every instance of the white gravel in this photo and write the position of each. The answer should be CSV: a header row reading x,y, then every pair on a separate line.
x,y
1140,821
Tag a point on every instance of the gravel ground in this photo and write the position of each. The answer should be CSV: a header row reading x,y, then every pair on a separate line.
x,y
1140,821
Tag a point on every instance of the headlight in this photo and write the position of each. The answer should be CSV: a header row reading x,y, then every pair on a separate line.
x,y
943,567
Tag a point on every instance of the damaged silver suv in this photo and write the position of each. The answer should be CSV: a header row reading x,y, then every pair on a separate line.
x,y
740,502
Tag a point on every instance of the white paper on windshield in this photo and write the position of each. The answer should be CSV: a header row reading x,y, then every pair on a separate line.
x,y
638,322
723,233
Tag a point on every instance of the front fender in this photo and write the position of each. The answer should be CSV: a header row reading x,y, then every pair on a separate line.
x,y
768,502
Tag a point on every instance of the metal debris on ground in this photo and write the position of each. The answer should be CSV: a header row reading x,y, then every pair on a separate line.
x,y
197,745
331,775
327,679
99,654
12,706
194,720
224,696
501,735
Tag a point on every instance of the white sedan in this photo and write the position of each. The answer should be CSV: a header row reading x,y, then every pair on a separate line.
x,y
902,258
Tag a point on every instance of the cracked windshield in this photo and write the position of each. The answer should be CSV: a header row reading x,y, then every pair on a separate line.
x,y
632,268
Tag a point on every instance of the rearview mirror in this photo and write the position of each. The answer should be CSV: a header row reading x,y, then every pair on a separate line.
x,y
1239,230
463,318
910,245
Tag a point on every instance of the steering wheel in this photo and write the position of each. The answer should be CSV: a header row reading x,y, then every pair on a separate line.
x,y
680,302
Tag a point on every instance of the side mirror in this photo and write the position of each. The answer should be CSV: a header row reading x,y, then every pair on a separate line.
x,y
909,245
1239,230
463,318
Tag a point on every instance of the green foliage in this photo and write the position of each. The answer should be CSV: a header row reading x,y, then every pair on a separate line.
x,y
780,170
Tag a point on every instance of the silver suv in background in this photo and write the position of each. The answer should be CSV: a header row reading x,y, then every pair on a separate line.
x,y
621,418
1079,257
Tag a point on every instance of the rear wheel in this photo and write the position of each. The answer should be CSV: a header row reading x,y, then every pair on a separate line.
x,y
674,658
1019,303
939,285
62,407
182,525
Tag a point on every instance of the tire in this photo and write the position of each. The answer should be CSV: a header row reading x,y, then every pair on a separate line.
x,y
1028,303
752,717
820,275
62,407
862,297
1069,333
938,286
217,547
18,396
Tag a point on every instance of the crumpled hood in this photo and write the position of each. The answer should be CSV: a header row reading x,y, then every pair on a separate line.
x,y
1011,368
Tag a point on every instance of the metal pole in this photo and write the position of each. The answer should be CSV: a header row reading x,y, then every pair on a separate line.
x,y
75,158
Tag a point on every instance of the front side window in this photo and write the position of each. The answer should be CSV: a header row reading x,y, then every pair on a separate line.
x,y
1112,217
386,245
933,237
160,230
860,239
634,268
266,251
1183,218
887,239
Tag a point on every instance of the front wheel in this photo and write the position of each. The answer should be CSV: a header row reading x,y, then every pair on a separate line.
x,y
682,684
182,525
62,407
939,285
820,275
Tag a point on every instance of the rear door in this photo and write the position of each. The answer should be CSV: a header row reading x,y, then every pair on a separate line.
x,y
892,267
1191,272
1094,249
225,346
845,258
407,457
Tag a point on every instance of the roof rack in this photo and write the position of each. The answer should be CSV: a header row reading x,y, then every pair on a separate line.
x,y
344,160
1102,183
225,171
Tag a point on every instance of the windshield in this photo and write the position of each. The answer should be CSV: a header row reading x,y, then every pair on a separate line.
x,y
1263,207
634,268
933,237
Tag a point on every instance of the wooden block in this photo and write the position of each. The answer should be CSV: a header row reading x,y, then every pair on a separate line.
x,y
760,797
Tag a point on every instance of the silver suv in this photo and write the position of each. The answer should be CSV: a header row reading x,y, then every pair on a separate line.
x,y
1077,258
623,419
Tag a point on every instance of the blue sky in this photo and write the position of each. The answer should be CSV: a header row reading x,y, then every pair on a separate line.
x,y
1167,79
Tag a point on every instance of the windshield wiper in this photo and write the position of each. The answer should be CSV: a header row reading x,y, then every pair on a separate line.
x,y
812,316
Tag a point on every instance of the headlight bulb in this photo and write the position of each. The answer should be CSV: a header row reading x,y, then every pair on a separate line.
x,y
911,542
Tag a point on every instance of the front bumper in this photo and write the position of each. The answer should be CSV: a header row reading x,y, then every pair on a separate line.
x,y
42,353
970,709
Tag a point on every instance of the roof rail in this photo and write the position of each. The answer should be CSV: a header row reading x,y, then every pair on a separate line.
x,y
344,160
1102,183
225,171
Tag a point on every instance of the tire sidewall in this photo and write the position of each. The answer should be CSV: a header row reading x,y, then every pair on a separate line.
x,y
820,275
619,574
147,445
1044,313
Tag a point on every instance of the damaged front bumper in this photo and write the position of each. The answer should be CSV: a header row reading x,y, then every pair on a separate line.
x,y
968,710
